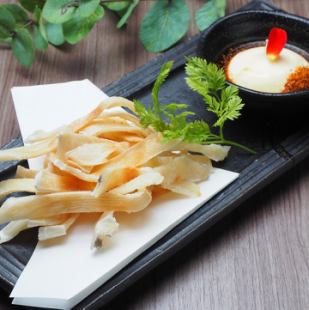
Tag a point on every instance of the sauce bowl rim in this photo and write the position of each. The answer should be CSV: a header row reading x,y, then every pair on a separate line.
x,y
296,18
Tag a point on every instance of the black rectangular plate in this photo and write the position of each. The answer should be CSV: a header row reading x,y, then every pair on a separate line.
x,y
279,145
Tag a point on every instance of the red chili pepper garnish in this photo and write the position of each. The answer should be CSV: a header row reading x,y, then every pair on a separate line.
x,y
277,39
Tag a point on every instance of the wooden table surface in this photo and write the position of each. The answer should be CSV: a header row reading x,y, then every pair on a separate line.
x,y
257,258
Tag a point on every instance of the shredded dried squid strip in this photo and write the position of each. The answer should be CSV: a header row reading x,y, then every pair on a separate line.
x,y
91,154
88,177
59,230
48,182
112,178
105,227
40,206
135,156
191,168
70,141
141,182
25,173
16,185
121,114
113,102
12,229
82,122
28,151
212,151
185,188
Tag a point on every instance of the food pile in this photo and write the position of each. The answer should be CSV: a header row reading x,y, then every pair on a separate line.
x,y
105,162
112,160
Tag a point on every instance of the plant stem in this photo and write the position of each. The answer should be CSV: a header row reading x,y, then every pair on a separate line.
x,y
232,143
30,22
221,132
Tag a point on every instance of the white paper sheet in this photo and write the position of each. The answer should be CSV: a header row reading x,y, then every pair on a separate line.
x,y
62,274
46,107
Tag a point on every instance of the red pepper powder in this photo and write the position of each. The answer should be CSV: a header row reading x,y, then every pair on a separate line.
x,y
298,80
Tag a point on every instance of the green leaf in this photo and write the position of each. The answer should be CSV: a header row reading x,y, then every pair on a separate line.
x,y
230,107
148,117
88,7
172,119
7,25
209,81
209,13
4,34
22,47
140,109
30,5
220,5
204,77
54,34
37,14
6,41
173,107
59,11
42,27
165,24
40,42
197,132
164,72
18,12
206,15
78,27
117,6
124,19
7,20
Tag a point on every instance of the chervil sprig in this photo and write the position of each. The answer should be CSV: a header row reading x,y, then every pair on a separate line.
x,y
209,81
171,119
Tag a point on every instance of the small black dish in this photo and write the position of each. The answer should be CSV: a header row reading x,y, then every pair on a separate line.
x,y
253,26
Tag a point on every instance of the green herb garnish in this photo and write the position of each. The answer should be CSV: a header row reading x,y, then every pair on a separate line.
x,y
172,119
31,25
